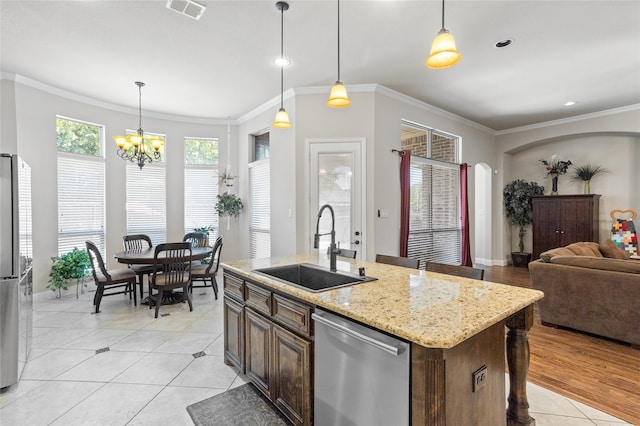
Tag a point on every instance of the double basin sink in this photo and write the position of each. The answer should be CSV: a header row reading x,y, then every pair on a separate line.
x,y
312,277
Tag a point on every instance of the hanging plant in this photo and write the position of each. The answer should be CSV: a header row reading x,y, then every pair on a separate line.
x,y
229,205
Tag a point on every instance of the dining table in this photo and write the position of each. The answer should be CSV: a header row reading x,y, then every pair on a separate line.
x,y
146,256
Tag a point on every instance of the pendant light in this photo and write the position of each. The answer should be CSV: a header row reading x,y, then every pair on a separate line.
x,y
443,49
338,97
282,118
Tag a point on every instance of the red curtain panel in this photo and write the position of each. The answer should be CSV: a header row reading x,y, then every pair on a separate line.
x,y
405,186
464,207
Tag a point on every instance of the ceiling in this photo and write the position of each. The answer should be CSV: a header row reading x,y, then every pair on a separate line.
x,y
222,65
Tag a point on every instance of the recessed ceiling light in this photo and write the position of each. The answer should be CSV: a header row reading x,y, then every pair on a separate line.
x,y
504,43
282,62
570,103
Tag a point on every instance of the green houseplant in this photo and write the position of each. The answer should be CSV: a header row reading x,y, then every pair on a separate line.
x,y
205,230
585,174
228,205
518,209
71,265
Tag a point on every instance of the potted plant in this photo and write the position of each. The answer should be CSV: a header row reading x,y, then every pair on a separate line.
x,y
585,174
205,230
228,205
72,265
518,209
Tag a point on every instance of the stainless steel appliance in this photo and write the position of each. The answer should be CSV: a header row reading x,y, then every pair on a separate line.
x,y
16,278
361,374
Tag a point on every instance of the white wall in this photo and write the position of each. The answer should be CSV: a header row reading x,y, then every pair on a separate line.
x,y
610,140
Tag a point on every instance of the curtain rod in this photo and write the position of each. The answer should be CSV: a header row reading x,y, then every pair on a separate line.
x,y
401,152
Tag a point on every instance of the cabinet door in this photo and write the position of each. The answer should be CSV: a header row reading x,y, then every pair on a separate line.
x,y
292,368
234,334
258,347
577,221
546,225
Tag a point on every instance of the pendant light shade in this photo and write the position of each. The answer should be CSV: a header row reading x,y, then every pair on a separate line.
x,y
338,97
282,118
443,49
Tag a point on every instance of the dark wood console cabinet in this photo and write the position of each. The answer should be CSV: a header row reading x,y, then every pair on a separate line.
x,y
269,337
559,220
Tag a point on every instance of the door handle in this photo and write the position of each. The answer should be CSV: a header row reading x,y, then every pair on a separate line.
x,y
356,242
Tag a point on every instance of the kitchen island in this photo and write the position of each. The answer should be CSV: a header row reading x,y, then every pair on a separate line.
x,y
455,326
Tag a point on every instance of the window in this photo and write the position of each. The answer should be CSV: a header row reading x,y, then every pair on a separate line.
x,y
201,185
435,232
81,196
147,200
259,209
261,147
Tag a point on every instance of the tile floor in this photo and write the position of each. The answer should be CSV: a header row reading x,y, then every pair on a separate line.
x,y
124,367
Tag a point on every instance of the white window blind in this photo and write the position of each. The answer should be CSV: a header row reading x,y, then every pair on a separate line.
x,y
146,201
81,203
200,192
434,225
260,209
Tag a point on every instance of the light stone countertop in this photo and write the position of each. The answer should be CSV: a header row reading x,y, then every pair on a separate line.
x,y
430,309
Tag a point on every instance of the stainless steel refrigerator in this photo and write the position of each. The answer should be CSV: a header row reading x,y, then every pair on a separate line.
x,y
16,278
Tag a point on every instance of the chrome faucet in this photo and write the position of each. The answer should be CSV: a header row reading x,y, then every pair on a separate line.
x,y
316,238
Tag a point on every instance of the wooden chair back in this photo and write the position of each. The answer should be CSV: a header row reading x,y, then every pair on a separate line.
x,y
172,263
398,261
457,270
136,242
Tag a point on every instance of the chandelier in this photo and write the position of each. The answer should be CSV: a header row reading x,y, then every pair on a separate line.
x,y
135,147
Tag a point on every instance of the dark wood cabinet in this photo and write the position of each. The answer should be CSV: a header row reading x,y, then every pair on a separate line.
x,y
559,220
274,346
234,333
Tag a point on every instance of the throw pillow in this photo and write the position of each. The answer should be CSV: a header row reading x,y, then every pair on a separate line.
x,y
549,254
611,249
585,249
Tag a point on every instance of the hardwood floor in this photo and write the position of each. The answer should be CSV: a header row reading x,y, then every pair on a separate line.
x,y
599,372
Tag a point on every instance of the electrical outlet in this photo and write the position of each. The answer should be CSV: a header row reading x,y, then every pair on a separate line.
x,y
479,378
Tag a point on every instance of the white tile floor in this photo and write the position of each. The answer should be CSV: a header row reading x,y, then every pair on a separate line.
x,y
150,375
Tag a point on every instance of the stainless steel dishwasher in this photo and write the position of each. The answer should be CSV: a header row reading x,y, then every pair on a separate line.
x,y
361,374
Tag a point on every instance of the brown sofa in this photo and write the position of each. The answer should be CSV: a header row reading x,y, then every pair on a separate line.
x,y
590,287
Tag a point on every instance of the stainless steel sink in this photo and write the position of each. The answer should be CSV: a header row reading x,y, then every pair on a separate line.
x,y
311,277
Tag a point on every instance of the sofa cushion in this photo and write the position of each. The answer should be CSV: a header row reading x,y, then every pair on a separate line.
x,y
611,249
597,262
575,249
561,251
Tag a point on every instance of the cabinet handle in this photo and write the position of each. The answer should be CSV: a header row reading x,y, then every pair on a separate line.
x,y
562,232
557,232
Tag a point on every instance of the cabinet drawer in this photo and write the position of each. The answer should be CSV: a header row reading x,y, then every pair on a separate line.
x,y
234,286
293,314
258,298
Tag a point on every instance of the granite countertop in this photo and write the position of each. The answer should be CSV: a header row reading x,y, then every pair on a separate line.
x,y
430,309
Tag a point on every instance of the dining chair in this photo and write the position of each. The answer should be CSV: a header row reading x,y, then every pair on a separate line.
x,y
206,272
458,270
139,242
172,270
398,261
107,279
197,239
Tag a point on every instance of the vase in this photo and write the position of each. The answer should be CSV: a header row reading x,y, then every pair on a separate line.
x,y
587,187
554,184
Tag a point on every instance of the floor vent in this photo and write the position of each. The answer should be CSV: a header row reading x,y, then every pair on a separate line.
x,y
187,7
198,354
101,350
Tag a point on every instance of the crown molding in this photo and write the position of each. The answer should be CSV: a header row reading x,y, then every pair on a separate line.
x,y
574,119
26,81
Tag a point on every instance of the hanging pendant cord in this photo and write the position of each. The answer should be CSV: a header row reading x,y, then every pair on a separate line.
x,y
442,14
281,56
338,40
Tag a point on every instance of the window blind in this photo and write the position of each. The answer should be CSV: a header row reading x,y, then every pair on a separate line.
x,y
260,209
200,196
146,201
434,225
81,206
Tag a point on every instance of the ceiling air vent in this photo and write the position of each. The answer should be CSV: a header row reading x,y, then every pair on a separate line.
x,y
187,7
